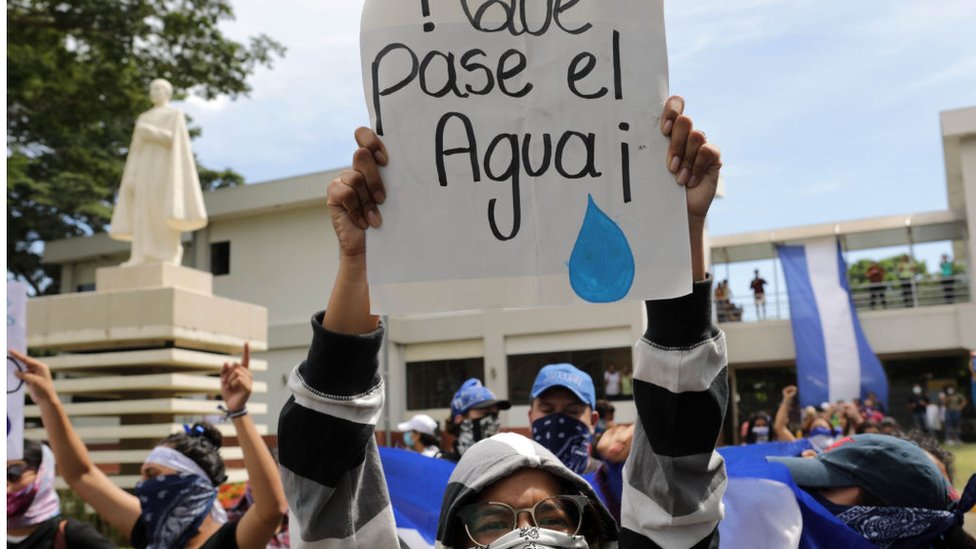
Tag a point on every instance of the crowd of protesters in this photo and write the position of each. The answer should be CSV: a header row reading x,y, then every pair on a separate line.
x,y
564,486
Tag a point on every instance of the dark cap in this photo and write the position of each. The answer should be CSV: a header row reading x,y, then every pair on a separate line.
x,y
896,472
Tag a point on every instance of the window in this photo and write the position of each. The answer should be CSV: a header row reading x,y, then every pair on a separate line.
x,y
522,369
432,384
220,258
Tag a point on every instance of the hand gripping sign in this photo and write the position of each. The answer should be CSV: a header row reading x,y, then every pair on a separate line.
x,y
526,165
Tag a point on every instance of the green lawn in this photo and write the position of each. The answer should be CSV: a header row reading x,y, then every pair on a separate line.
x,y
965,464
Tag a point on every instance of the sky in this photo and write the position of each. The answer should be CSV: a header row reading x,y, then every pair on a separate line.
x,y
825,110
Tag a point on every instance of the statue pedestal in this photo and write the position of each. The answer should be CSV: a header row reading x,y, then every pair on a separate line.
x,y
144,351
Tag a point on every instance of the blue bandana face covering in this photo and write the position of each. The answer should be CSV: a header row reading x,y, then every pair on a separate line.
x,y
566,437
173,507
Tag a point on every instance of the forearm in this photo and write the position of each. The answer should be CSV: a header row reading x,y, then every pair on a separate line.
x,y
348,311
696,232
70,452
780,424
153,133
675,480
262,471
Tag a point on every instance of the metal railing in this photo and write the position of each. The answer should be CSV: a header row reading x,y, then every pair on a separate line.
x,y
894,294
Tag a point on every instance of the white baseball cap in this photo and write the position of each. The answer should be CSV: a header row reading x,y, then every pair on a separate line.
x,y
421,423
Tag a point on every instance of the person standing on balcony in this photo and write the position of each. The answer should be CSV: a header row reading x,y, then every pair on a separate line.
x,y
948,271
876,276
758,286
906,272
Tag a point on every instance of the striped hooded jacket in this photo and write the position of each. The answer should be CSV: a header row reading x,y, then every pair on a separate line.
x,y
674,479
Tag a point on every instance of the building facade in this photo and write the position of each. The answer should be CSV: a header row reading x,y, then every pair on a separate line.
x,y
272,244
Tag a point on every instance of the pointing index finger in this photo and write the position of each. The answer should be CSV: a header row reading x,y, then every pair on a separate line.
x,y
246,359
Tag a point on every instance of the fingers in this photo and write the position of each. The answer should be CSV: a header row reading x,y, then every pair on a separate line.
x,y
343,195
695,141
33,365
364,162
679,142
673,108
368,139
708,158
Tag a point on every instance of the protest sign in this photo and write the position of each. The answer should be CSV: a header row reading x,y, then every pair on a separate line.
x,y
16,339
526,164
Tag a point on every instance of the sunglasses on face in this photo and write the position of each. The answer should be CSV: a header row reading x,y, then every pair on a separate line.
x,y
15,471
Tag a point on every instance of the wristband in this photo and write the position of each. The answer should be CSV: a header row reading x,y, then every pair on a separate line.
x,y
231,414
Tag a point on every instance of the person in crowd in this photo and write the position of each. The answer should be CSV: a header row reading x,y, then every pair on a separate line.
x,y
872,401
815,427
869,410
853,480
175,504
758,287
612,448
627,383
605,411
876,275
474,416
889,426
562,413
906,276
234,514
611,382
421,435
509,491
758,429
954,404
722,300
34,509
848,417
868,427
947,268
918,404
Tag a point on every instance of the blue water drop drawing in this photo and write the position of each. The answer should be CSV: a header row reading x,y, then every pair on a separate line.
x,y
601,268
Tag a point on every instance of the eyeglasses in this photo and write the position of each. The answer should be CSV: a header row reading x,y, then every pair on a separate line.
x,y
15,471
486,522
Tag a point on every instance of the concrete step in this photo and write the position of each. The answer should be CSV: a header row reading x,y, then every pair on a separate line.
x,y
155,431
147,360
165,406
172,383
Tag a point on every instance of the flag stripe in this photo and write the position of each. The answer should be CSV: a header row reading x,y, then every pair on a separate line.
x,y
811,358
840,343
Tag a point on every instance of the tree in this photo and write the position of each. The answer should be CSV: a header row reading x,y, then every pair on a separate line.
x,y
77,76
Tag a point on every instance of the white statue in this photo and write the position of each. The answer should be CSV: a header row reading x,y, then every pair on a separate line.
x,y
160,193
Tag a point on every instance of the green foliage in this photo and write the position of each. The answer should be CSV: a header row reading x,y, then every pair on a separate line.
x,y
77,77
858,271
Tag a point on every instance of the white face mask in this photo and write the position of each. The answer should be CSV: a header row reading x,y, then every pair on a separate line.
x,y
538,538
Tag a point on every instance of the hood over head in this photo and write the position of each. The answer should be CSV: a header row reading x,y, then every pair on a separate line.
x,y
497,457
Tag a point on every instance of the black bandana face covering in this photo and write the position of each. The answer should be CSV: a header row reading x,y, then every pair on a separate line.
x,y
565,436
474,430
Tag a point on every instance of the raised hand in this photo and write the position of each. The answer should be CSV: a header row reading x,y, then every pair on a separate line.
x,y
236,381
354,196
37,376
789,392
694,162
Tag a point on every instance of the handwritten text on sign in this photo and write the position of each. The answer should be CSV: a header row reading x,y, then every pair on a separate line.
x,y
526,165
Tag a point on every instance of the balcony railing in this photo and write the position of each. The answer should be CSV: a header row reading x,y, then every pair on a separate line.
x,y
896,294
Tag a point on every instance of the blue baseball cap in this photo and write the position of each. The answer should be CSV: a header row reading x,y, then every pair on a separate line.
x,y
568,376
473,394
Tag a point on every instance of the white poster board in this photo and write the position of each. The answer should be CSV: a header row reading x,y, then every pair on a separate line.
x,y
526,164
16,339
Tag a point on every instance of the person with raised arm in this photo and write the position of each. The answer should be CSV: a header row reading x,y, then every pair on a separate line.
x,y
175,504
508,491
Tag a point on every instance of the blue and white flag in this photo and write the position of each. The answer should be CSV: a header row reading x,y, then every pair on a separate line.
x,y
833,358
764,509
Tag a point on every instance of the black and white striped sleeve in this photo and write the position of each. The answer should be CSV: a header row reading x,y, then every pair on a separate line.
x,y
675,479
330,464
